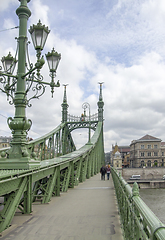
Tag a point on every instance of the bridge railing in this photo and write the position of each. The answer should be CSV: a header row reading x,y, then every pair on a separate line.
x,y
138,221
72,118
51,145
20,188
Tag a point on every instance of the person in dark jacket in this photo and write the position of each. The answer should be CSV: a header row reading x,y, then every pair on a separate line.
x,y
108,172
103,172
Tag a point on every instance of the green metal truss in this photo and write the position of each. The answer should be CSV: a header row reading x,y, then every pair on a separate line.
x,y
54,144
20,188
61,165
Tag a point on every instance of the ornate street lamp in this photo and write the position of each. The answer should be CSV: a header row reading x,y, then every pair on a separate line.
x,y
85,106
17,86
9,63
53,59
39,34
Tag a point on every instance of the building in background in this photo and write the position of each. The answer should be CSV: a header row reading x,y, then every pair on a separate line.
x,y
5,141
107,158
147,151
117,160
124,152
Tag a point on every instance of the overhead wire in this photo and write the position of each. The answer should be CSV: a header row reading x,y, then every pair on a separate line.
x,y
3,116
9,29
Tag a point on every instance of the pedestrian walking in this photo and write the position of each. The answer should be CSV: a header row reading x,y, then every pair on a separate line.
x,y
103,172
108,172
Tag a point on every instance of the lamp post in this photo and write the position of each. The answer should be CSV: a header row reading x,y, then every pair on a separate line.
x,y
16,87
85,106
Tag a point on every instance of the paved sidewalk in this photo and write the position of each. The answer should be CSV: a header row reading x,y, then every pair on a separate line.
x,y
87,212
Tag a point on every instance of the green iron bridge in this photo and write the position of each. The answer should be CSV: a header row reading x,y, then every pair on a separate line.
x,y
42,168
62,167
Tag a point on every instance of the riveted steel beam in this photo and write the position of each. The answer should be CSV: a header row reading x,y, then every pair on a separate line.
x,y
50,186
11,204
66,179
78,171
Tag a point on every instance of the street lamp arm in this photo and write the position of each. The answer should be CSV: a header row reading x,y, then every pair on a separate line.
x,y
8,95
51,84
7,75
8,86
40,62
29,72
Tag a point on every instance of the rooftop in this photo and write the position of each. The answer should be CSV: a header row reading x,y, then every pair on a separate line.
x,y
149,138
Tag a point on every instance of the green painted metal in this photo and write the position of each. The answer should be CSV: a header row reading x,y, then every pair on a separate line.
x,y
20,188
27,206
10,205
138,221
39,169
71,179
36,188
64,106
56,190
89,167
17,87
78,170
100,105
84,175
50,186
56,143
66,178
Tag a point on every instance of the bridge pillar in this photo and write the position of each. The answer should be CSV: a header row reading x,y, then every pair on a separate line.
x,y
64,106
100,105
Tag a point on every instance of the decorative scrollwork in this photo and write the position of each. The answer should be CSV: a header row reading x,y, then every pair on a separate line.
x,y
39,90
85,105
31,77
3,79
30,67
8,87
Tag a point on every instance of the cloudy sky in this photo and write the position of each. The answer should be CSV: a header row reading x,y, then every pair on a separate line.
x,y
118,42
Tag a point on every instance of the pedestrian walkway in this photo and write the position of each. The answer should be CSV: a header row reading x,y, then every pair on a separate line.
x,y
87,212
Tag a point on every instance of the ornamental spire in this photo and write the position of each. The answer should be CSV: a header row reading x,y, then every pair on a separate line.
x,y
100,96
65,98
64,105
100,104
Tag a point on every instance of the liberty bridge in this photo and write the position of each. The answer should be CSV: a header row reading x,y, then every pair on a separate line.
x,y
34,173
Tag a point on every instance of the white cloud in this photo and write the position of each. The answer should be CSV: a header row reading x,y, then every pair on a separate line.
x,y
5,4
39,11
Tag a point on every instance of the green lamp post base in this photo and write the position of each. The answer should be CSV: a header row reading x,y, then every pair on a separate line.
x,y
18,156
26,163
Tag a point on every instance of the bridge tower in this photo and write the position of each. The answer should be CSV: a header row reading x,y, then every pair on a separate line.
x,y
100,104
64,106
